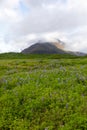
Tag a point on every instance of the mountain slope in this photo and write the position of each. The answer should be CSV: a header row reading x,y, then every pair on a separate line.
x,y
43,48
56,47
76,53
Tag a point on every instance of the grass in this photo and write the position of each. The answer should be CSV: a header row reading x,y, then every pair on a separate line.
x,y
43,92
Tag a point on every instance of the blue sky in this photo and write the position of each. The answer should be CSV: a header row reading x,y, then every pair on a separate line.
x,y
23,8
23,22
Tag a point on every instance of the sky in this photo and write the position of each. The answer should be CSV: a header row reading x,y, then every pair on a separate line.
x,y
24,22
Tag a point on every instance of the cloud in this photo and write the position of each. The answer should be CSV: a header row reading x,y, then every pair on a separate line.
x,y
43,19
41,3
52,18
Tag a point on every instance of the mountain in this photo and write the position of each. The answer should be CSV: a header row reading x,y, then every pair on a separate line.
x,y
59,44
55,47
76,53
44,48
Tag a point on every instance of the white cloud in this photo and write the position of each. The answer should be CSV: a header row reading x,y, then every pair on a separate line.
x,y
63,19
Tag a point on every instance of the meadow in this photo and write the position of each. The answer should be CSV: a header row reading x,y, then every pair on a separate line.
x,y
43,92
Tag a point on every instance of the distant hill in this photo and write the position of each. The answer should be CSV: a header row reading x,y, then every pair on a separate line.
x,y
77,53
43,48
56,47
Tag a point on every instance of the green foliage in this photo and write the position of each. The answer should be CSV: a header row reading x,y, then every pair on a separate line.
x,y
43,93
13,55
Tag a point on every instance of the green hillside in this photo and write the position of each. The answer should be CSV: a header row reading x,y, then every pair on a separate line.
x,y
43,92
35,56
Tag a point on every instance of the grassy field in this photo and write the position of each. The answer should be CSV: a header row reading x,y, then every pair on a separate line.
x,y
43,92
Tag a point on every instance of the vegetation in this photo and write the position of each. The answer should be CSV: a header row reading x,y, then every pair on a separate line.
x,y
43,92
34,56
